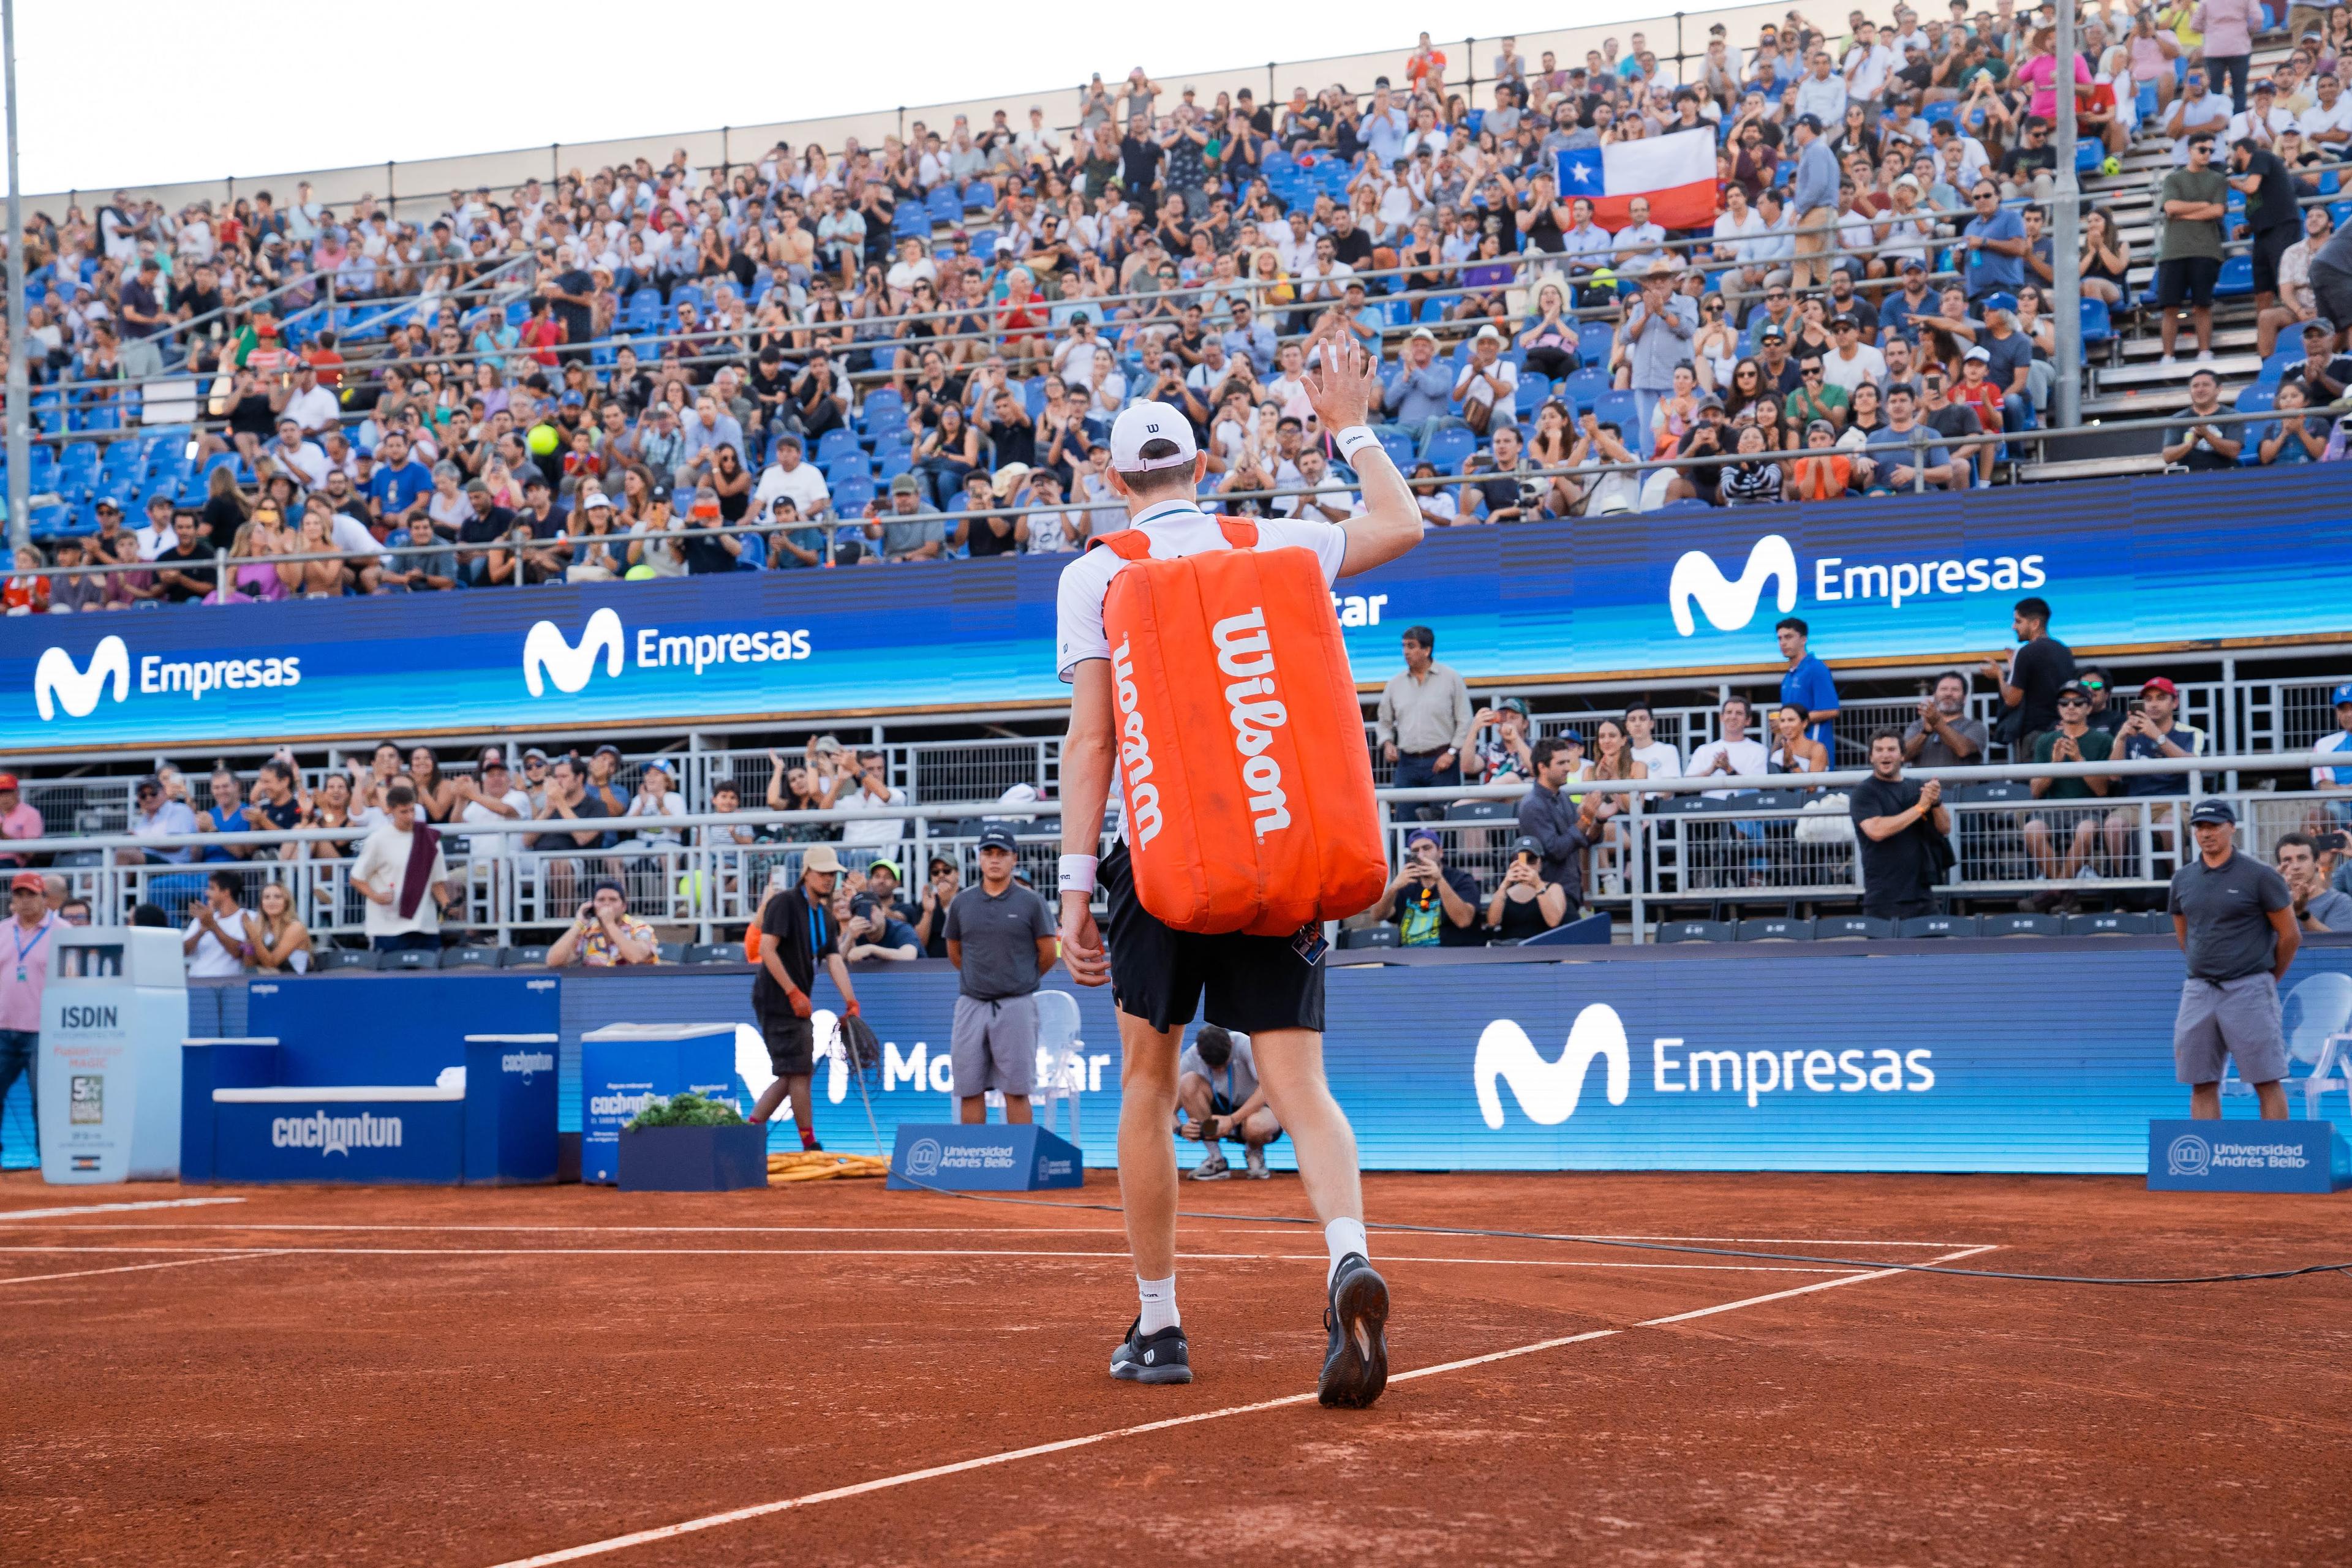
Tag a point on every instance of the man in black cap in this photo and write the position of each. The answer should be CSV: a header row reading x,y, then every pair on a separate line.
x,y
2234,918
1002,938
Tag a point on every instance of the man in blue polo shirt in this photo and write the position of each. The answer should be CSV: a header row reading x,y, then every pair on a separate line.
x,y
1806,684
400,485
1996,245
2337,778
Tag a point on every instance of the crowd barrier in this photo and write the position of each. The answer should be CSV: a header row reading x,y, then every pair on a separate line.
x,y
2199,560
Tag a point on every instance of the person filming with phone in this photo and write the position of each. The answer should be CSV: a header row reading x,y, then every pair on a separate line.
x,y
603,934
2149,730
1433,904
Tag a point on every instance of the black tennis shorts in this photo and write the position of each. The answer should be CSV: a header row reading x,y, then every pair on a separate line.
x,y
1164,977
792,1042
2187,280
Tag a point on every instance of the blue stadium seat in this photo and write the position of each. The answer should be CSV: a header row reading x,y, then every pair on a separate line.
x,y
1535,388
853,464
1624,410
1694,930
1776,928
2098,326
851,495
883,400
892,461
1397,445
1449,449
1585,387
2260,398
2280,360
1938,925
1593,342
833,443
2237,277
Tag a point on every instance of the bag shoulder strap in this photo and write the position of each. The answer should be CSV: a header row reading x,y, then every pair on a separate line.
x,y
1240,535
1128,544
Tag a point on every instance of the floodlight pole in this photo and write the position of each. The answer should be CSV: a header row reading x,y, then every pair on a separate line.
x,y
19,384
2067,240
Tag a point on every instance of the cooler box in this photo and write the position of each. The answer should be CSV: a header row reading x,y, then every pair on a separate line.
x,y
624,1067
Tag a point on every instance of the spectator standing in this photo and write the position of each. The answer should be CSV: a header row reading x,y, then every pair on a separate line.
x,y
1903,834
403,876
21,984
2194,200
1657,334
1425,719
221,938
2336,778
797,933
2031,681
874,793
1434,904
2234,920
1550,818
1806,684
1814,196
1001,940
1943,735
17,819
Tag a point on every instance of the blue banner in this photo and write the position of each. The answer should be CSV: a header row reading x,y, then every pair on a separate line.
x,y
2126,562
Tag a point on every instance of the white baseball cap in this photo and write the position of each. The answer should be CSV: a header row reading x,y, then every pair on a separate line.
x,y
1150,421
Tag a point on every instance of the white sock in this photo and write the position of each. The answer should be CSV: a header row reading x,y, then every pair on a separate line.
x,y
1344,1236
1159,1299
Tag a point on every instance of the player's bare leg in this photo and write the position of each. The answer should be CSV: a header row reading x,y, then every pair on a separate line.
x,y
1155,1349
1290,1067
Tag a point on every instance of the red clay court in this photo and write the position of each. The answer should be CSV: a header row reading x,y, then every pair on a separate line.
x,y
829,1373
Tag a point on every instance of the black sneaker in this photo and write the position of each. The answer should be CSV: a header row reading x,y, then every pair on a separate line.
x,y
1163,1357
1356,1363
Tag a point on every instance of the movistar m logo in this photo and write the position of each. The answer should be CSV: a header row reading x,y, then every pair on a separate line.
x,y
547,654
1731,605
57,680
1548,1092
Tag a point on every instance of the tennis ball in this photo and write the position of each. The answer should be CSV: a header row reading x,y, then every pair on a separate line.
x,y
2111,166
541,440
690,888
639,575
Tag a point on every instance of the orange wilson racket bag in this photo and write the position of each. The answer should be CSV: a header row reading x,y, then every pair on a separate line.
x,y
1239,741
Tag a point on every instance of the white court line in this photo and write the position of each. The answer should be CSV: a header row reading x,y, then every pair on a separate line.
x,y
132,1268
886,1230
907,1252
758,1511
9,1216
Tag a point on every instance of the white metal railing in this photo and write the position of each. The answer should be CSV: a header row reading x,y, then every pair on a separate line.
x,y
1751,844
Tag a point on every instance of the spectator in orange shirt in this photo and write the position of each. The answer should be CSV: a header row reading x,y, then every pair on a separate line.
x,y
1824,472
26,594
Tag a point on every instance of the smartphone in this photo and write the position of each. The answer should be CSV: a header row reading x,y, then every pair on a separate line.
x,y
2137,708
2322,843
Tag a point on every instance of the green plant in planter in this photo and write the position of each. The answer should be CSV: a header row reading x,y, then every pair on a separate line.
x,y
688,1110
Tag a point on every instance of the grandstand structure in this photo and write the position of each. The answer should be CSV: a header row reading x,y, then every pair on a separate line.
x,y
118,429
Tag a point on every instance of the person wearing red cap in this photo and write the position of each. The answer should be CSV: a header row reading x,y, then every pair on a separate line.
x,y
2149,730
17,820
24,970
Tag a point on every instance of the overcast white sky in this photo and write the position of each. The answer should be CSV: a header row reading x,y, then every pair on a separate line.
x,y
147,92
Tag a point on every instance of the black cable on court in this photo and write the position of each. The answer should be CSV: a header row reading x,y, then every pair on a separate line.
x,y
858,1054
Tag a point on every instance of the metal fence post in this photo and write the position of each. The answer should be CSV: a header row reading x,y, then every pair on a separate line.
x,y
1637,865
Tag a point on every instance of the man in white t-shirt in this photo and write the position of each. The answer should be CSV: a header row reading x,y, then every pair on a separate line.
x,y
873,791
1662,761
789,476
1270,987
220,938
490,795
381,877
1851,362
1734,755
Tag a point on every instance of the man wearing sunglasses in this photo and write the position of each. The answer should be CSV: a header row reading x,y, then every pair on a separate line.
x,y
154,816
2073,741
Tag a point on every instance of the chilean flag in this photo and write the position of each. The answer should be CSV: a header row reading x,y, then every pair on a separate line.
x,y
1676,173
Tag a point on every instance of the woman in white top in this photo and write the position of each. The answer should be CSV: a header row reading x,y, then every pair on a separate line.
x,y
1715,351
656,798
1598,813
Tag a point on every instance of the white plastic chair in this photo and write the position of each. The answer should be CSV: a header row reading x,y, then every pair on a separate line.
x,y
1061,1073
2316,1019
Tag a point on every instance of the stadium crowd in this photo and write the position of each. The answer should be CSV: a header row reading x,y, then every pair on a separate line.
x,y
912,351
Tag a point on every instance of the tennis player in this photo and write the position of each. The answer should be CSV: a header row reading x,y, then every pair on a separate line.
x,y
1268,987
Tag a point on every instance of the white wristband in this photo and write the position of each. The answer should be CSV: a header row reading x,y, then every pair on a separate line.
x,y
1354,440
1077,874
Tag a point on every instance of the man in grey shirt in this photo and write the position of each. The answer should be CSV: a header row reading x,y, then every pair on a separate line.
x,y
910,530
1001,937
2318,906
1218,1092
1424,719
1657,335
1944,736
2235,920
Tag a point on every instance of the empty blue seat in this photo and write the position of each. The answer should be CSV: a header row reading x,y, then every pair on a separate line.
x,y
1624,410
2280,360
853,464
2236,280
851,496
1593,340
1449,449
1397,445
2098,326
1535,389
1585,387
2260,398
